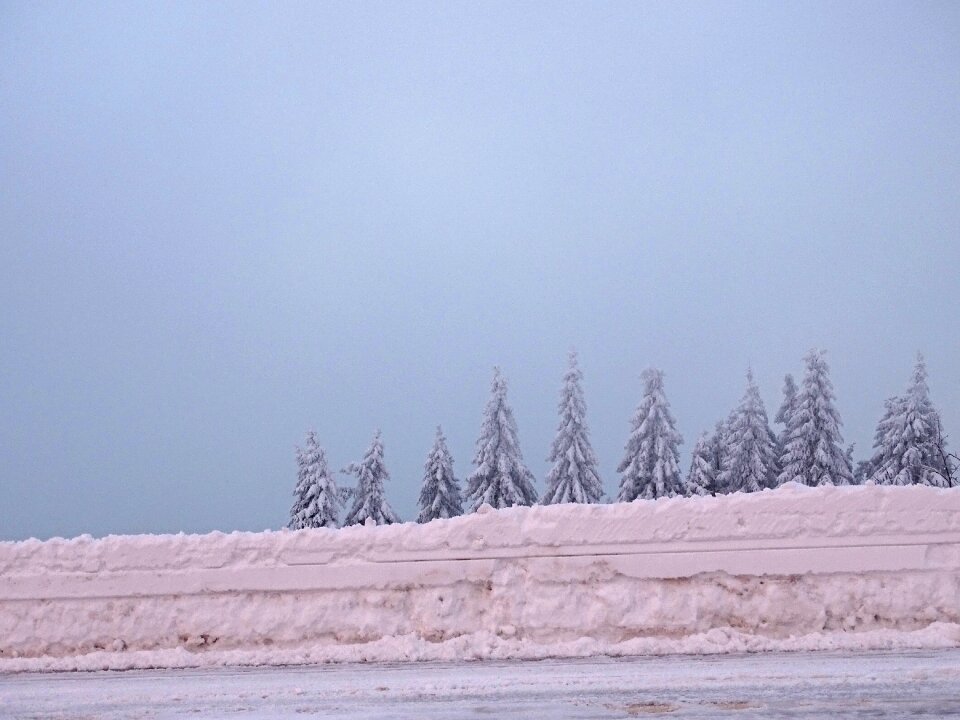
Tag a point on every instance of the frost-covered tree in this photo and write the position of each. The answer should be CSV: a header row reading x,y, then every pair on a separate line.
x,y
718,449
892,411
909,447
368,498
719,445
316,498
573,477
500,479
650,467
848,456
750,458
786,409
440,491
702,477
812,452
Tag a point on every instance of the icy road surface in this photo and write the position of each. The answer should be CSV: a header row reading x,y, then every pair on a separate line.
x,y
794,685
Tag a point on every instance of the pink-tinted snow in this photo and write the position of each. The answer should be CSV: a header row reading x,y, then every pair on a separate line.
x,y
795,568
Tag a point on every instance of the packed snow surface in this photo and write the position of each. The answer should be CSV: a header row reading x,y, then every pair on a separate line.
x,y
791,569
799,685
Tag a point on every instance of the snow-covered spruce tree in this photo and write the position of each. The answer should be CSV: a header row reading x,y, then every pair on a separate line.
x,y
851,464
750,459
573,477
717,447
316,498
368,499
702,478
909,444
650,467
892,411
440,492
501,479
786,409
813,452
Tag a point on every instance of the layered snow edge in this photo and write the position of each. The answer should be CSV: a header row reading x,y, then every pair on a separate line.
x,y
793,568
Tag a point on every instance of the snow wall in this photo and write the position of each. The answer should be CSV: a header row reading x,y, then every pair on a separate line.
x,y
793,568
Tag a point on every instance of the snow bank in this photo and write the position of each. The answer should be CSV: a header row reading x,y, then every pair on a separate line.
x,y
795,568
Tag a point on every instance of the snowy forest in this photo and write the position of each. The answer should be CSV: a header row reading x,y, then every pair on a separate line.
x,y
742,453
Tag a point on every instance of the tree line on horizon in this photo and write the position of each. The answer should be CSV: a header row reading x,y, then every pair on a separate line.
x,y
741,454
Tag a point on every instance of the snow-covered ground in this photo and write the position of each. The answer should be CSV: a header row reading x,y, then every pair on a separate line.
x,y
796,685
792,569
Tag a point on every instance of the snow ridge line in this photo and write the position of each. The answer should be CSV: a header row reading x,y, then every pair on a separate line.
x,y
890,556
666,548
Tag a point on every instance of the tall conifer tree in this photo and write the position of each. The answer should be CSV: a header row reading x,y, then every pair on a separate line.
x,y
368,497
786,409
702,478
440,492
573,477
650,467
717,448
813,450
500,478
750,460
909,447
317,500
892,411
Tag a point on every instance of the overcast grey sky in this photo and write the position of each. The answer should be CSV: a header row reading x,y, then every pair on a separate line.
x,y
222,224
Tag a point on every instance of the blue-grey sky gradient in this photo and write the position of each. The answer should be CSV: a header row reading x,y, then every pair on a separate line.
x,y
222,224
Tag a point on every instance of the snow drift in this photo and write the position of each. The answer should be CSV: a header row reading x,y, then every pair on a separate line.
x,y
794,568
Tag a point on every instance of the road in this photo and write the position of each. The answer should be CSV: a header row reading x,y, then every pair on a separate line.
x,y
784,685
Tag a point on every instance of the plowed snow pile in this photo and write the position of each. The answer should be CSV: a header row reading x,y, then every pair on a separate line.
x,y
793,568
